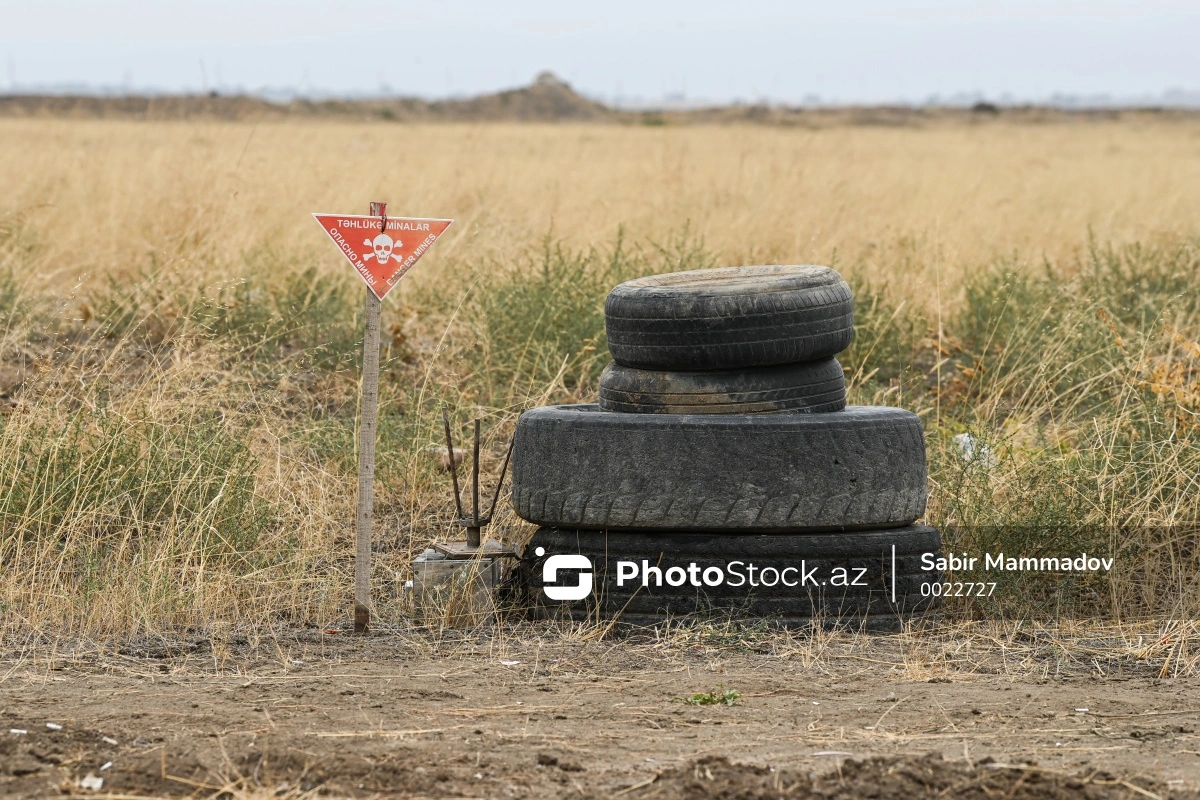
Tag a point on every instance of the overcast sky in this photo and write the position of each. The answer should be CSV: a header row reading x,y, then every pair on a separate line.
x,y
841,50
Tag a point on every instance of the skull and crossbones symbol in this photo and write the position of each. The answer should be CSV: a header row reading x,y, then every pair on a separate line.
x,y
382,247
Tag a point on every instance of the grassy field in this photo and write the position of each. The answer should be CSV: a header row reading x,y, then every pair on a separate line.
x,y
178,342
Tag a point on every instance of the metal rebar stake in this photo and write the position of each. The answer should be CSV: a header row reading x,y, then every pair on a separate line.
x,y
476,521
473,529
453,467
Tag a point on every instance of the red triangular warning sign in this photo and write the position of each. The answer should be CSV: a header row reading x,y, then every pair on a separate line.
x,y
381,255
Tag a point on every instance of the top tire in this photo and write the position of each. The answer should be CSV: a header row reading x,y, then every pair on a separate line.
x,y
729,318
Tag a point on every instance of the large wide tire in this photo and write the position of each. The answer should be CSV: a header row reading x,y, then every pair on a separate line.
x,y
729,318
812,386
831,575
577,466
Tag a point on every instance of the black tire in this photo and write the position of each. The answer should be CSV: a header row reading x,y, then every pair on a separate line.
x,y
873,623
880,583
729,318
908,540
811,386
816,605
577,466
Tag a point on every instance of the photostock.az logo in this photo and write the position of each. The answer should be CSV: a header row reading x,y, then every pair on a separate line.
x,y
550,576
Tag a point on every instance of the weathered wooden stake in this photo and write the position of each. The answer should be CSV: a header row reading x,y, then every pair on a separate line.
x,y
368,418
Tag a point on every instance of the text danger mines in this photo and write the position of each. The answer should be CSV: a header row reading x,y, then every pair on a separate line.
x,y
392,225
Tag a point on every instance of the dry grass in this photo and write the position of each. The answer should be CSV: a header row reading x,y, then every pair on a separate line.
x,y
99,197
165,302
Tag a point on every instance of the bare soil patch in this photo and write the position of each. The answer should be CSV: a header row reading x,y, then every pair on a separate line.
x,y
912,777
404,716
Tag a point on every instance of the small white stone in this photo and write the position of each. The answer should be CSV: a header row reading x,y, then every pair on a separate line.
x,y
91,782
971,449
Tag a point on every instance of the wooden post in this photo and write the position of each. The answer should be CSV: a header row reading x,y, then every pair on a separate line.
x,y
368,419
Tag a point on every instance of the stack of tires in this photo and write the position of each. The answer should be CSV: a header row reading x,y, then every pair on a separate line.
x,y
722,471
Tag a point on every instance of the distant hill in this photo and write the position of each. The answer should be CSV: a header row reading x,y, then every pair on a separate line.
x,y
547,99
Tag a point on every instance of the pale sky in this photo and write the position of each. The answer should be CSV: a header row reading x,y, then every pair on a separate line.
x,y
841,50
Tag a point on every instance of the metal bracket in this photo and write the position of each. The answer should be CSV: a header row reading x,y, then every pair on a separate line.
x,y
475,523
462,550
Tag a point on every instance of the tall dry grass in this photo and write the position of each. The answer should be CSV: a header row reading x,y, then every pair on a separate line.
x,y
918,206
178,344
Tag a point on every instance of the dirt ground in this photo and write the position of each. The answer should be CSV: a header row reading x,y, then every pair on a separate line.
x,y
506,714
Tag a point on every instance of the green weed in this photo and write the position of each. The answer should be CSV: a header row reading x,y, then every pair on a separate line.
x,y
886,337
544,319
105,475
305,316
718,696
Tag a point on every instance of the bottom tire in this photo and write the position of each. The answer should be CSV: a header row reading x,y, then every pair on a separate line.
x,y
795,578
